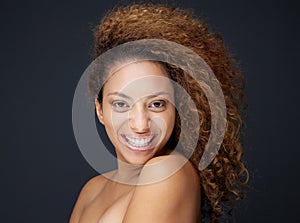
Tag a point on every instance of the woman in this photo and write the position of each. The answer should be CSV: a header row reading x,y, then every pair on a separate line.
x,y
137,107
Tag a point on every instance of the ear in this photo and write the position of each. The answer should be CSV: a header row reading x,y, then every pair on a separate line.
x,y
99,111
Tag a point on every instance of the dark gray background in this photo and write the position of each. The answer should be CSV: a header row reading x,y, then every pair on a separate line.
x,y
45,47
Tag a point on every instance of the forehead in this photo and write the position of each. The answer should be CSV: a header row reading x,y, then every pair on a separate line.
x,y
139,79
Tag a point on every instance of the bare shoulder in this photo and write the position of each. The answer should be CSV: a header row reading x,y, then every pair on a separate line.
x,y
177,174
88,192
175,198
174,166
93,187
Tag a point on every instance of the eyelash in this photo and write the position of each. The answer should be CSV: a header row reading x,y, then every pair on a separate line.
x,y
116,104
122,106
161,106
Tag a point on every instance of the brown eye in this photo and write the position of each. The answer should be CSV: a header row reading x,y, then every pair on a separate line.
x,y
157,105
120,106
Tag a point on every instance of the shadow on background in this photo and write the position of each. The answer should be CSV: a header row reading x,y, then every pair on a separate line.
x,y
46,46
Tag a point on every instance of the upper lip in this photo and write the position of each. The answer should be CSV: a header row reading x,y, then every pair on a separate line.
x,y
133,136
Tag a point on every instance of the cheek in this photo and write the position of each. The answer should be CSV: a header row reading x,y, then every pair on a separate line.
x,y
170,124
116,121
165,123
171,121
170,117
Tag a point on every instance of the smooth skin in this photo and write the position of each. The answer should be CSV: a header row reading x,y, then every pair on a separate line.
x,y
176,198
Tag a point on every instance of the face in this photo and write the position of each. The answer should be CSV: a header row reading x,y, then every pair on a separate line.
x,y
137,111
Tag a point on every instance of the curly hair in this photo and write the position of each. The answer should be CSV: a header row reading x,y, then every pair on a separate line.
x,y
225,178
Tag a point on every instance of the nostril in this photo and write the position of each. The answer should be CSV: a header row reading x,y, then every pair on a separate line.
x,y
139,121
139,126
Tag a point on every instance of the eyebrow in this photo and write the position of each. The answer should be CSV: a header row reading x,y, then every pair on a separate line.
x,y
150,96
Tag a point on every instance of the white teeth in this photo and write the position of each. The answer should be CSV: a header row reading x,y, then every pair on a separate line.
x,y
139,142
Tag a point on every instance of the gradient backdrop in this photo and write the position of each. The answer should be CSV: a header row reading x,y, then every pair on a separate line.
x,y
45,47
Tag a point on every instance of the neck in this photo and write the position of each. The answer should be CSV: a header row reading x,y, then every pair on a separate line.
x,y
127,173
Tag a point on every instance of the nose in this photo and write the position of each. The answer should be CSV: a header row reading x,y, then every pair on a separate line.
x,y
139,120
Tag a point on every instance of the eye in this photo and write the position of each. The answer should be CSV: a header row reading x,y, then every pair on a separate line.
x,y
158,106
120,106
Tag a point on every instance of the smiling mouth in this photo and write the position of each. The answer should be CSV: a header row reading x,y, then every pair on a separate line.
x,y
139,143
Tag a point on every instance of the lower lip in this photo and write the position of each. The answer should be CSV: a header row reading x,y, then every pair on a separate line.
x,y
139,149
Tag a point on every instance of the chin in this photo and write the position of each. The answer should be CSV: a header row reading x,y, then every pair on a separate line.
x,y
137,157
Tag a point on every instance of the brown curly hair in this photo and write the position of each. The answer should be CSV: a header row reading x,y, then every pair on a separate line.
x,y
225,178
